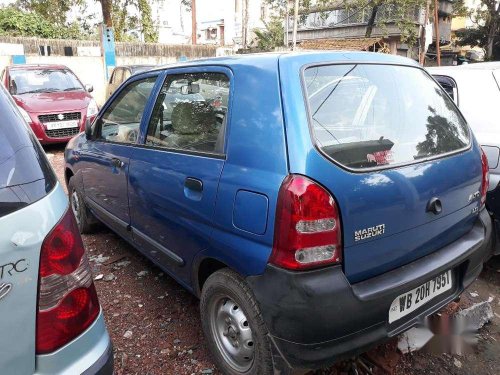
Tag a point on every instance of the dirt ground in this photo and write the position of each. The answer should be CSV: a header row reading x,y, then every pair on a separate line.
x,y
155,326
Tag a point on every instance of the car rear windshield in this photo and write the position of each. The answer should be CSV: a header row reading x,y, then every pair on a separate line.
x,y
25,174
374,116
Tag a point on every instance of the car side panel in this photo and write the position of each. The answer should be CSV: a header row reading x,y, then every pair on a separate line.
x,y
256,165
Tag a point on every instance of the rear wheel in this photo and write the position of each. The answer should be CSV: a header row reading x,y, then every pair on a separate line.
x,y
233,326
82,214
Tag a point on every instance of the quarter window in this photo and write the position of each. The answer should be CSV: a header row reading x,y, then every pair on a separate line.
x,y
121,121
190,113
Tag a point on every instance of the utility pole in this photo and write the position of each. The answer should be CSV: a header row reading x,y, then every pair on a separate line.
x,y
423,36
295,17
107,38
193,22
436,28
287,17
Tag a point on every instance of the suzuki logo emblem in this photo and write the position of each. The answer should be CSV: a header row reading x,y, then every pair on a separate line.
x,y
60,116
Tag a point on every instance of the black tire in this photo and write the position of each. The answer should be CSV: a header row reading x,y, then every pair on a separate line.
x,y
227,284
83,216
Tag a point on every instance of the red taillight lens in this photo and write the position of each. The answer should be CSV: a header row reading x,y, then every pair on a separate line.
x,y
67,300
307,230
485,182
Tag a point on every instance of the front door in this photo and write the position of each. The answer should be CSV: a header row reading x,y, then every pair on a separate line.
x,y
107,157
174,176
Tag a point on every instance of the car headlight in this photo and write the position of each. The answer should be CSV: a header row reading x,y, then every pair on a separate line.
x,y
25,115
92,109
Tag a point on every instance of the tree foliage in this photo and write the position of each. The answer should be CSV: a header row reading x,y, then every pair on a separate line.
x,y
272,36
401,13
123,21
53,11
486,30
15,22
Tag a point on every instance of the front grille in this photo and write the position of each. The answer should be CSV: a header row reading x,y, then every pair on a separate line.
x,y
62,133
54,117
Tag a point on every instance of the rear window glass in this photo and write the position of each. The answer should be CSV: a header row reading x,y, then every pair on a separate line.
x,y
25,174
366,116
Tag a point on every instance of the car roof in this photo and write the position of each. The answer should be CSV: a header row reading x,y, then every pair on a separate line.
x,y
486,66
302,56
134,66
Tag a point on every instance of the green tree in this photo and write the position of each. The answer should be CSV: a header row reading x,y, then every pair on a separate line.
x,y
381,12
15,22
123,21
54,11
272,37
486,33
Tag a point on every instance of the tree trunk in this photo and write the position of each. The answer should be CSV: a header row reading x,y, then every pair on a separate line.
x,y
106,12
491,38
371,21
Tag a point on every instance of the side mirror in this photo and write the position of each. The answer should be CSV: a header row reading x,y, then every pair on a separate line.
x,y
89,88
88,129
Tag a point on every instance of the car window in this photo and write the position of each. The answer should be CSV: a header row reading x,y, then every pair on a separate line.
x,y
448,85
118,76
25,173
126,74
190,113
122,119
366,116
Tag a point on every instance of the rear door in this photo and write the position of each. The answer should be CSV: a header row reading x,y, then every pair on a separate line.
x,y
106,159
396,154
174,176
30,205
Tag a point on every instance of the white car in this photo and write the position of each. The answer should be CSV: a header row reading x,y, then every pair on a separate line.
x,y
475,88
50,317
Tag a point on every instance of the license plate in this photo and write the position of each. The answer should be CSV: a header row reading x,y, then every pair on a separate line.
x,y
412,300
61,124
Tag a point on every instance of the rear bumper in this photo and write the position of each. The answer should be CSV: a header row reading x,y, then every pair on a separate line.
x,y
91,353
316,318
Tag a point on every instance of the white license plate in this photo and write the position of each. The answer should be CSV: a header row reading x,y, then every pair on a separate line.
x,y
412,300
61,124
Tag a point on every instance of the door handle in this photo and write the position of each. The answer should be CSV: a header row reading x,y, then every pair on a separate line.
x,y
115,162
193,184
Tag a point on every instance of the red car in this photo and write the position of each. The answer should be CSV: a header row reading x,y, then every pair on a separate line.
x,y
51,99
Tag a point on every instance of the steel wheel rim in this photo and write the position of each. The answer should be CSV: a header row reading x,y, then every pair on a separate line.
x,y
232,333
75,206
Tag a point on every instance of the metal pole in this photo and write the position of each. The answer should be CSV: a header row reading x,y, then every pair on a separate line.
x,y
436,28
424,36
193,22
295,16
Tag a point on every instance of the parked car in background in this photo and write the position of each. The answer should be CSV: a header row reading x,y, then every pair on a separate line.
x,y
332,211
51,99
121,73
475,88
51,321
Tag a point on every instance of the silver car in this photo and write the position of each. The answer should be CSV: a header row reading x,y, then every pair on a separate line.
x,y
50,318
475,88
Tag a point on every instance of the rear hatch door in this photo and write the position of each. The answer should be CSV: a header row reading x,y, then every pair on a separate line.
x,y
398,157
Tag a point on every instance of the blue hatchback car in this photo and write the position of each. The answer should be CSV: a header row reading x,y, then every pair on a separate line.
x,y
316,203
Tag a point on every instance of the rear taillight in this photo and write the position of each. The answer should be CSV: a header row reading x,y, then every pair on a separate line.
x,y
67,299
307,229
485,182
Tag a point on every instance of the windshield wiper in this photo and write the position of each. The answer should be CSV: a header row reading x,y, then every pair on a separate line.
x,y
73,89
38,91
